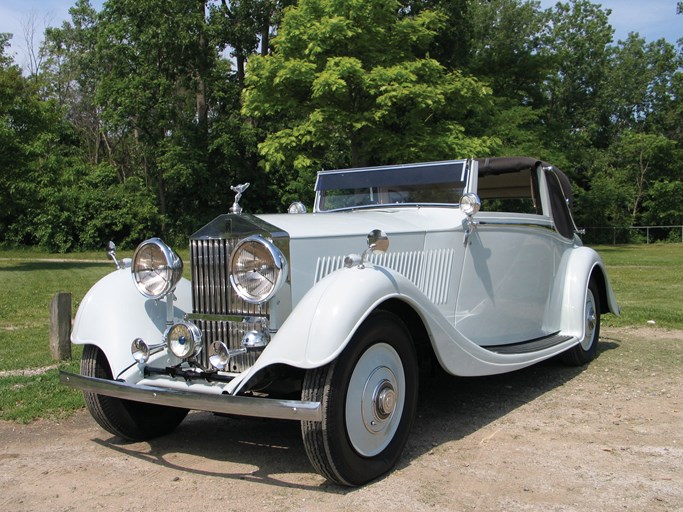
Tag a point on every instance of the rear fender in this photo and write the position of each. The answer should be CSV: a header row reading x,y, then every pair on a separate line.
x,y
113,313
583,264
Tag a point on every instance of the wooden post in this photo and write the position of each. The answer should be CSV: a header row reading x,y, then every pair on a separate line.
x,y
60,326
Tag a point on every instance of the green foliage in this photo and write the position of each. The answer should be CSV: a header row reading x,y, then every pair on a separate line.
x,y
506,49
349,83
137,122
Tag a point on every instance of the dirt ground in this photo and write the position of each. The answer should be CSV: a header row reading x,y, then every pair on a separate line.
x,y
607,437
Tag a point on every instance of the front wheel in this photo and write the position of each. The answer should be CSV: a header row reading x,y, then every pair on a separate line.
x,y
130,420
368,397
586,351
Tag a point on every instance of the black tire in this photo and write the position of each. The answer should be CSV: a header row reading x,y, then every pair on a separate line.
x,y
586,351
133,421
368,397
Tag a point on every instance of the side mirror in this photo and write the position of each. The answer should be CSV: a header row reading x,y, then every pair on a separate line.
x,y
378,241
470,204
111,252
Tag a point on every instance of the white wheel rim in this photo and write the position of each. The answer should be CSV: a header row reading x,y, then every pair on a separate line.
x,y
591,320
375,398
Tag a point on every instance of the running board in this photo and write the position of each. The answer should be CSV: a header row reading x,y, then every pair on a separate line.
x,y
526,347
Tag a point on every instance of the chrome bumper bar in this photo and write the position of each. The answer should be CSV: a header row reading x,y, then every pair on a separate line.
x,y
226,404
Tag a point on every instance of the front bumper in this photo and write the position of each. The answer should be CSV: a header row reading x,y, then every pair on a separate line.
x,y
226,404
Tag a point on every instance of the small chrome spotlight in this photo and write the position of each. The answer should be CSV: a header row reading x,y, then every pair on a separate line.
x,y
219,356
141,351
254,340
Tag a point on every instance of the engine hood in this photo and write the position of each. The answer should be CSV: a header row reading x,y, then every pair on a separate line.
x,y
405,220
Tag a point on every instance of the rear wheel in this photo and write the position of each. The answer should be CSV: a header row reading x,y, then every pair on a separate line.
x,y
134,421
586,351
368,397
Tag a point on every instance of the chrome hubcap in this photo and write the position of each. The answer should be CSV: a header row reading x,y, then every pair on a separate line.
x,y
374,401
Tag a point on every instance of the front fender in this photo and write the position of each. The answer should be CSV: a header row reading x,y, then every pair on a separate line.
x,y
113,313
325,319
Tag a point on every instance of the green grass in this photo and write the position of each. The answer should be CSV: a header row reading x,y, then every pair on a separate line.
x,y
647,279
648,283
25,398
28,284
27,289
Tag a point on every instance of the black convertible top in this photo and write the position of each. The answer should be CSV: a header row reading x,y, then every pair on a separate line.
x,y
505,164
559,187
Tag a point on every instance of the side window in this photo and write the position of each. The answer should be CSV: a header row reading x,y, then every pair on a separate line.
x,y
514,192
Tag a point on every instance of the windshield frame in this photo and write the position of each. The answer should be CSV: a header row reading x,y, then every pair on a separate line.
x,y
392,185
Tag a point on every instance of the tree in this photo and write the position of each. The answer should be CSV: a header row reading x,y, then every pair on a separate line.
x,y
349,83
507,37
641,157
578,46
506,46
242,25
154,62
71,77
451,45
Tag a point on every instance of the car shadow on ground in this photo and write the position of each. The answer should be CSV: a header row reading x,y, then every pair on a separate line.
x,y
271,451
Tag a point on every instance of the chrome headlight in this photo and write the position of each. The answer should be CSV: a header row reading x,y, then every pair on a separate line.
x,y
156,268
184,340
258,269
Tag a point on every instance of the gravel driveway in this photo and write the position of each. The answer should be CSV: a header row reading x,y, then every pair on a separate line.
x,y
608,437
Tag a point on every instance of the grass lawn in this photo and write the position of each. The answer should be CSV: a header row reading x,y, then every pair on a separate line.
x,y
648,283
647,279
29,280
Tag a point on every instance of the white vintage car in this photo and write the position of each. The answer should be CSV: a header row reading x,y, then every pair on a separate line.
x,y
307,317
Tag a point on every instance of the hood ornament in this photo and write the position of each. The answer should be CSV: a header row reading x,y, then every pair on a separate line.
x,y
238,190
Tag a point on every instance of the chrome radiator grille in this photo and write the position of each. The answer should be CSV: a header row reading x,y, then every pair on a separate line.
x,y
213,299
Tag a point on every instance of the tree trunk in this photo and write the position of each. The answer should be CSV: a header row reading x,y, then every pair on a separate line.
x,y
202,106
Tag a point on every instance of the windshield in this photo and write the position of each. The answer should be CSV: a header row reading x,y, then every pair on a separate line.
x,y
435,183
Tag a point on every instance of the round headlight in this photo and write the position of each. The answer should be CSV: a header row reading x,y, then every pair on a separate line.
x,y
258,269
156,268
184,340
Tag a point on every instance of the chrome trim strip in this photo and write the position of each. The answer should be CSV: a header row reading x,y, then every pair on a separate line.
x,y
226,404
500,222
224,318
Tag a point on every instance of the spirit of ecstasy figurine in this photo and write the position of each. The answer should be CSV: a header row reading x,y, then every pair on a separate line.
x,y
238,190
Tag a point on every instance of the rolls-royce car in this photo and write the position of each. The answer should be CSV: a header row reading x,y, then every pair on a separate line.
x,y
328,317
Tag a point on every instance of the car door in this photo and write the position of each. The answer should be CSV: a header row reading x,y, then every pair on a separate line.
x,y
511,262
